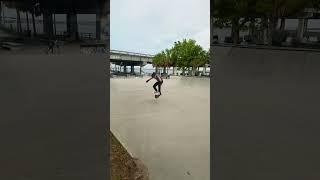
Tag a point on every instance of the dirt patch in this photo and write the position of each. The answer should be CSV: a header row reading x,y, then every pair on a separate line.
x,y
123,166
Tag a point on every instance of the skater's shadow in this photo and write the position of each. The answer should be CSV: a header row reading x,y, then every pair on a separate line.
x,y
152,101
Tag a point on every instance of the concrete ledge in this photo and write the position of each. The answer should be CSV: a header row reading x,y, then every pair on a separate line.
x,y
265,47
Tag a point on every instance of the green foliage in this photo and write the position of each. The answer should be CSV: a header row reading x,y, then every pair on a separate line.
x,y
236,13
233,12
183,54
163,59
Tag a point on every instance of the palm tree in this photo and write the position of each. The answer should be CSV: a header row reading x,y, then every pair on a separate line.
x,y
167,59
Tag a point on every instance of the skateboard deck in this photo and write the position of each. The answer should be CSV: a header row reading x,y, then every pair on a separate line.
x,y
156,94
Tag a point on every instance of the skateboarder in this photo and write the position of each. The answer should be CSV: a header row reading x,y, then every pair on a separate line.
x,y
158,83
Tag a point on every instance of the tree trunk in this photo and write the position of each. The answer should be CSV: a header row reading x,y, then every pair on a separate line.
x,y
55,25
273,21
282,24
264,30
252,27
19,28
183,71
28,27
305,26
34,25
236,37
235,31
270,29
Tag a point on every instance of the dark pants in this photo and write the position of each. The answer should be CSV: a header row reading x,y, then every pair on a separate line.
x,y
159,83
50,48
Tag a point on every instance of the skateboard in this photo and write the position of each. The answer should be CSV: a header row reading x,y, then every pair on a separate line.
x,y
156,94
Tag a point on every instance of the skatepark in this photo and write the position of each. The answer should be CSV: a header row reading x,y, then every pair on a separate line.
x,y
171,134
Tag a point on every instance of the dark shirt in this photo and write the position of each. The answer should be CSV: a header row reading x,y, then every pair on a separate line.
x,y
158,78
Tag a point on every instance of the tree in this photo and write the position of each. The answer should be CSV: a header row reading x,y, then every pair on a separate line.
x,y
179,55
163,59
272,10
157,60
168,62
24,6
234,14
187,54
183,55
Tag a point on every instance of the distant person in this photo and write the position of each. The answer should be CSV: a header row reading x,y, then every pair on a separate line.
x,y
57,45
158,83
51,46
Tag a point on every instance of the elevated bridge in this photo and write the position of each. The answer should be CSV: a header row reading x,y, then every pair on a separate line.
x,y
125,58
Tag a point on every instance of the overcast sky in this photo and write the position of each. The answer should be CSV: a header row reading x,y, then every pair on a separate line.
x,y
149,26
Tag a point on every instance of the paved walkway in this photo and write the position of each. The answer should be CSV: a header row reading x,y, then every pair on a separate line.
x,y
171,135
4,34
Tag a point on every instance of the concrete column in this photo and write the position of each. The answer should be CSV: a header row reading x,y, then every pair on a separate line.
x,y
48,24
28,27
102,22
34,25
305,26
72,25
19,27
55,25
300,29
125,68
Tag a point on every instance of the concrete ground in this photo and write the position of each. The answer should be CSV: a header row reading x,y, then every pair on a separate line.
x,y
39,49
171,135
53,115
4,34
